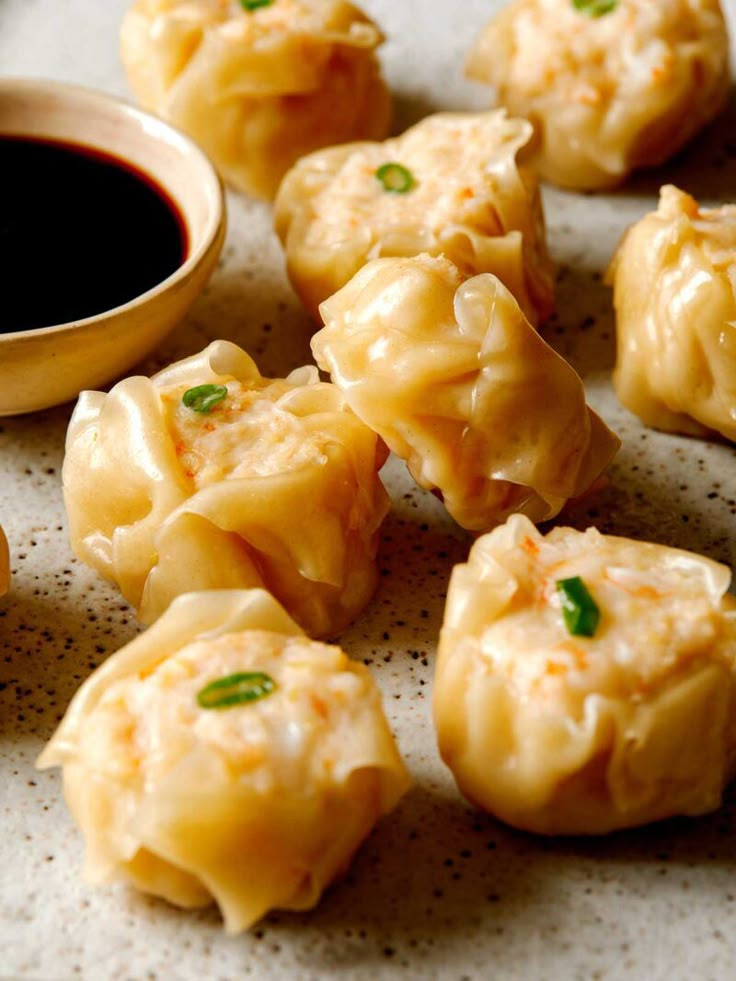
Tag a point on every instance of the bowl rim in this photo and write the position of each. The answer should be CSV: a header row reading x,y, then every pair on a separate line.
x,y
197,251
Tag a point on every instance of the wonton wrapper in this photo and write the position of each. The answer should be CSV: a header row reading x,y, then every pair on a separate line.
x,y
573,735
674,278
470,202
606,94
458,384
4,563
258,89
276,486
256,806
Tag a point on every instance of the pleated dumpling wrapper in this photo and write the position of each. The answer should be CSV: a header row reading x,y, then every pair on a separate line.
x,y
208,476
674,279
610,85
450,185
4,563
586,683
222,755
258,85
455,380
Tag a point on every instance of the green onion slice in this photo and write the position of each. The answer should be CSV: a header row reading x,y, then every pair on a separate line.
x,y
204,397
255,4
595,8
236,689
395,178
578,607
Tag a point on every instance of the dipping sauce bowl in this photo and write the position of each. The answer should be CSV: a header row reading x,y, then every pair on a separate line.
x,y
46,365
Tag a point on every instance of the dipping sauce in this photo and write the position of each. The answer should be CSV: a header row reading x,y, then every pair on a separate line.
x,y
81,232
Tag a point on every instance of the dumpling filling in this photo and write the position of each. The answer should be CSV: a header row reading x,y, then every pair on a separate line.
x,y
610,87
566,725
224,756
451,185
210,476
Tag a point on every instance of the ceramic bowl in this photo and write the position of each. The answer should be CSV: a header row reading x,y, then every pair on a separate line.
x,y
50,365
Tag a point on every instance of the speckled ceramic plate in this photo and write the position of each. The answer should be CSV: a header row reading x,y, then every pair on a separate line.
x,y
438,891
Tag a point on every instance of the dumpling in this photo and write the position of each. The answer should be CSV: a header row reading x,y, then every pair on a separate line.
x,y
258,84
208,476
451,375
450,185
586,683
4,563
674,279
224,756
610,85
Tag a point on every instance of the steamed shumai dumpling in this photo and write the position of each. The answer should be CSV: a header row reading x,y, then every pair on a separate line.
x,y
4,563
274,485
674,279
258,88
222,755
564,734
455,380
465,197
610,85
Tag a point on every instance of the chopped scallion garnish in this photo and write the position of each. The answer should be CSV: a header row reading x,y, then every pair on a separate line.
x,y
395,178
204,397
578,607
236,689
595,8
255,4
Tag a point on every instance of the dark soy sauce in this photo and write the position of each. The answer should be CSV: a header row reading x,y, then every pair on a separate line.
x,y
81,232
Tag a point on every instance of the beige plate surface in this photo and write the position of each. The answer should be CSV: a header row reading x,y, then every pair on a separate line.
x,y
439,891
